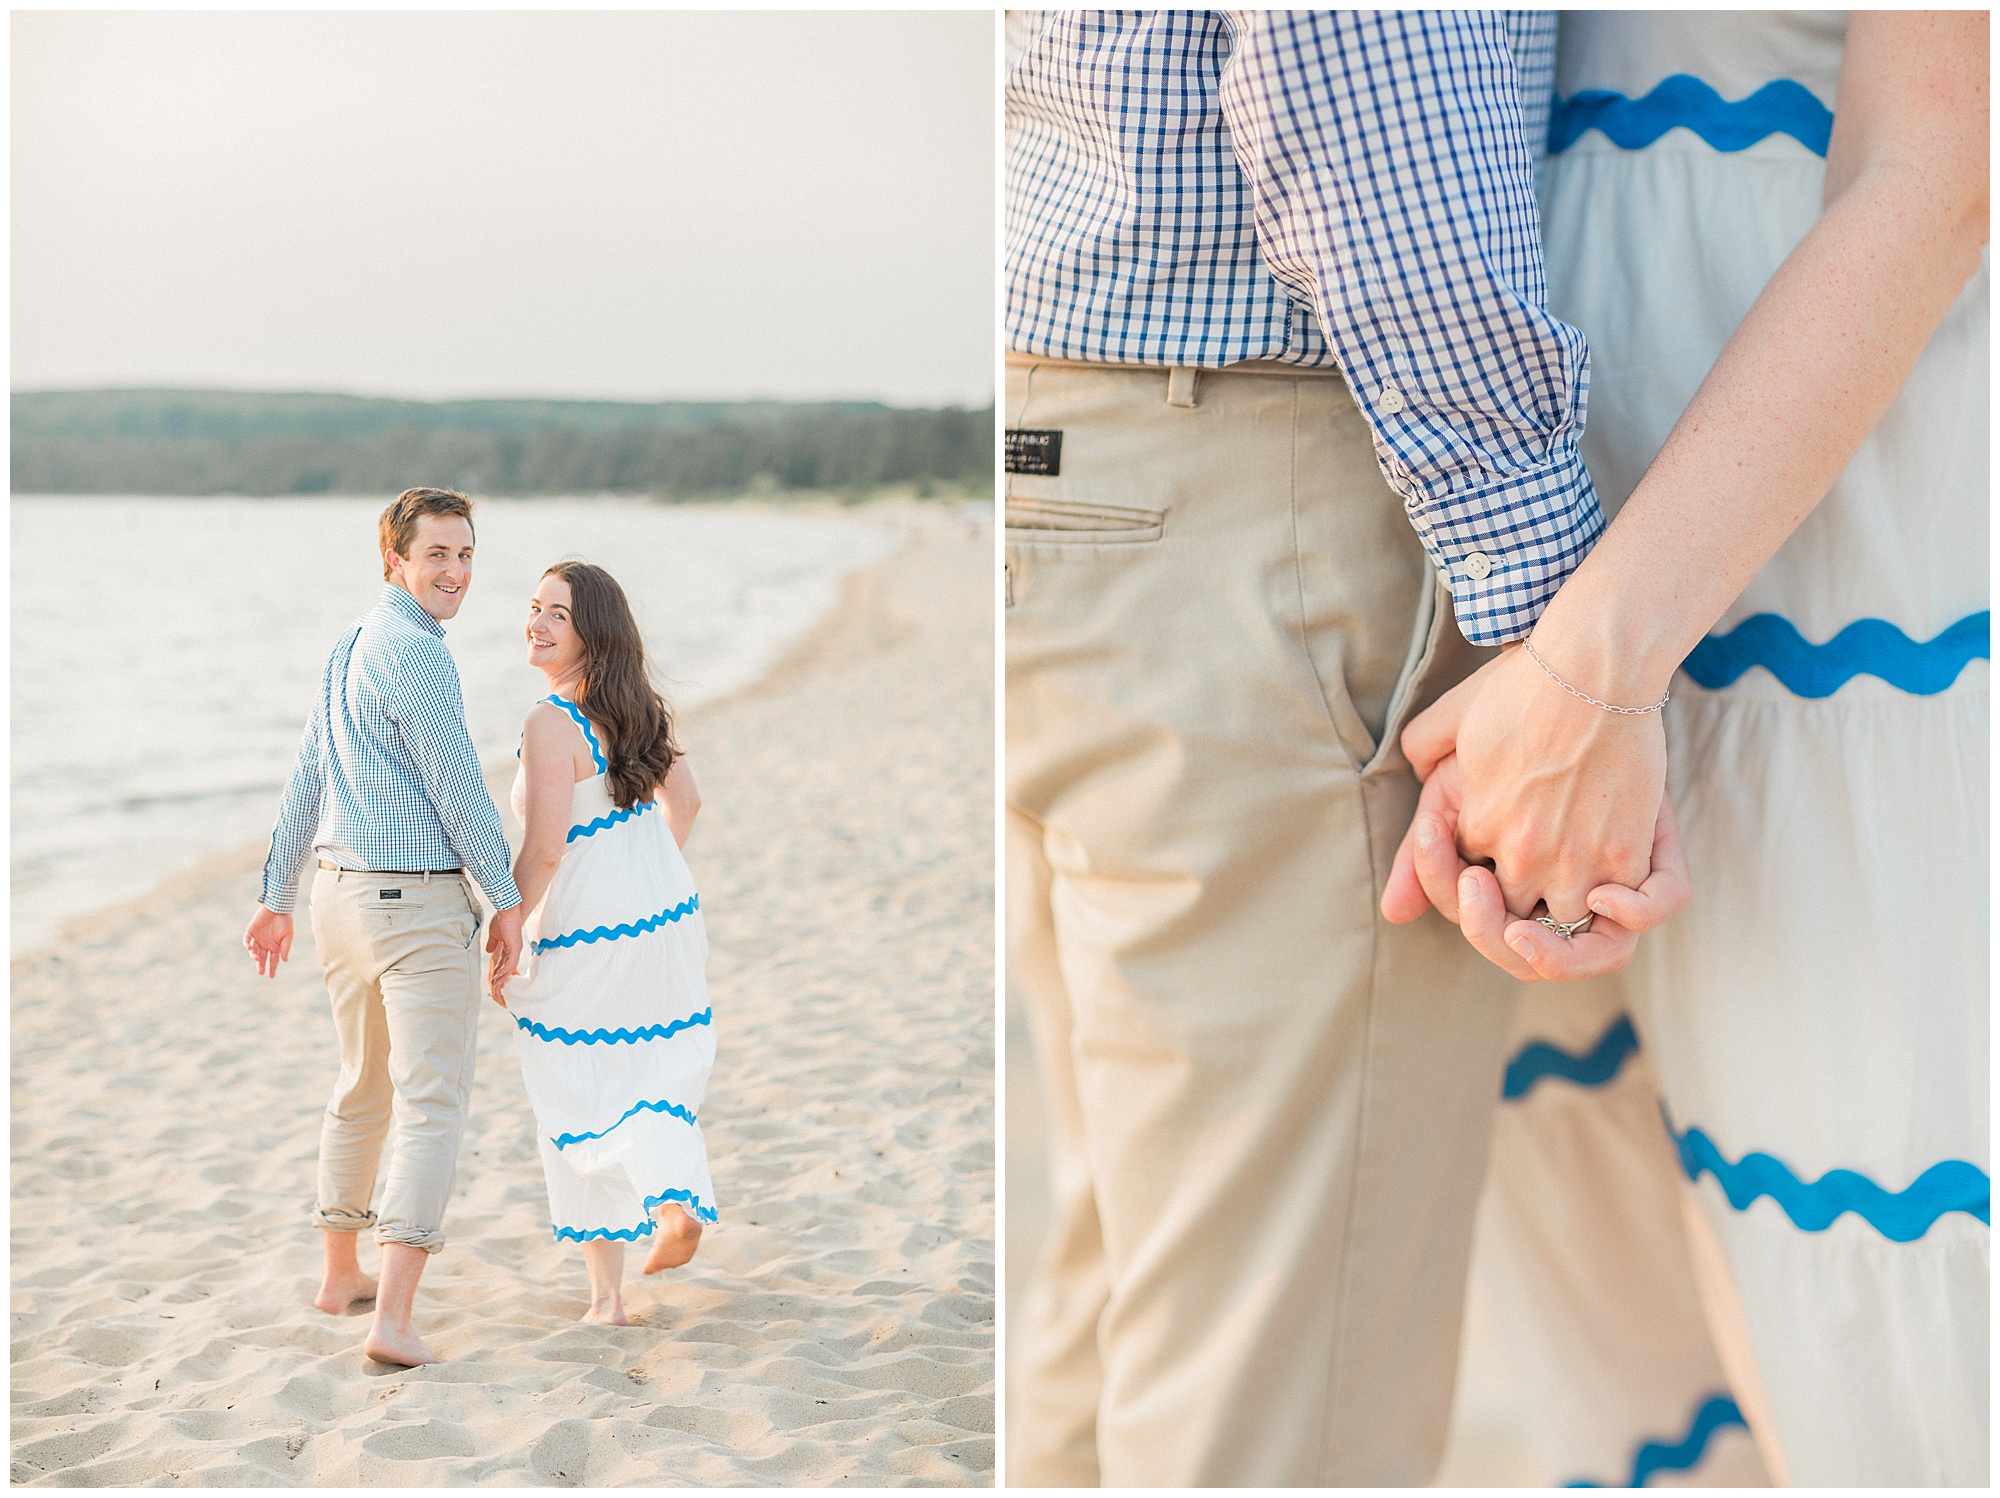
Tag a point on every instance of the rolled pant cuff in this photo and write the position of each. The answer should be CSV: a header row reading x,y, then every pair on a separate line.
x,y
340,1220
430,1240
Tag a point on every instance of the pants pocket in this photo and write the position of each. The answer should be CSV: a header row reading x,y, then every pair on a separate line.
x,y
472,911
386,919
1062,522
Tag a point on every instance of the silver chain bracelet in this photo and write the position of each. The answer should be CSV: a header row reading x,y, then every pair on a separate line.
x,y
1609,707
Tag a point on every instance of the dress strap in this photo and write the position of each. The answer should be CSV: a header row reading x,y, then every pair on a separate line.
x,y
582,722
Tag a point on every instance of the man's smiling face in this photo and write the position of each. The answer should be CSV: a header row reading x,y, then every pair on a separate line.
x,y
439,568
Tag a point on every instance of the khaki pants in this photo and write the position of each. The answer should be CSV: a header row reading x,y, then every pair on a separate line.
x,y
402,969
1269,1108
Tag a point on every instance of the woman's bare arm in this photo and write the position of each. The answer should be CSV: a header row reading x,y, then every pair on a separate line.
x,y
1564,796
548,756
1810,370
681,799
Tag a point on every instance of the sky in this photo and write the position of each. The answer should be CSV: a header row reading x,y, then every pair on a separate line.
x,y
610,205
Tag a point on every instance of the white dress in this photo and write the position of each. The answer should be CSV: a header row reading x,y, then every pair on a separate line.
x,y
1816,1019
614,1030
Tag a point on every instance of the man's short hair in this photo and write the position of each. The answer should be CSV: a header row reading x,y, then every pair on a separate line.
x,y
399,521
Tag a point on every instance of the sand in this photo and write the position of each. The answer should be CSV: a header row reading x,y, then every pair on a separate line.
x,y
837,1325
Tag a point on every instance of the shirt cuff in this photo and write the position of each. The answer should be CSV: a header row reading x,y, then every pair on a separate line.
x,y
1504,549
501,891
280,891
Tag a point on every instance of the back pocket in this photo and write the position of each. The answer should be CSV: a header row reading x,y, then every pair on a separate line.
x,y
1061,522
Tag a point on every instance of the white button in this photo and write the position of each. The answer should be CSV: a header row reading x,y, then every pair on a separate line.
x,y
1390,401
1444,577
1477,565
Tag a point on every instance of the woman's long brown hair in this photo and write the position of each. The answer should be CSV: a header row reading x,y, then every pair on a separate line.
x,y
616,692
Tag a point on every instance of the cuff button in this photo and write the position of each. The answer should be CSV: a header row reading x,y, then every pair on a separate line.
x,y
1477,565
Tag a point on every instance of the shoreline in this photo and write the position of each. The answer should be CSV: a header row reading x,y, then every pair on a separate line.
x,y
895,513
838,1322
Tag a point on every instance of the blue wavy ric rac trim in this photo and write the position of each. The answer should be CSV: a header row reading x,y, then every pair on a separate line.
x,y
614,1037
1871,646
631,928
596,754
1717,1412
644,1229
1538,1059
686,1198
609,819
564,1141
1900,1216
1781,107
584,1235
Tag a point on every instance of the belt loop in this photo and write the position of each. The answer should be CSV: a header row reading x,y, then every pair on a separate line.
x,y
427,878
1180,386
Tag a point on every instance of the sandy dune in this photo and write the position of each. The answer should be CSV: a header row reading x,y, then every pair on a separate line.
x,y
837,1326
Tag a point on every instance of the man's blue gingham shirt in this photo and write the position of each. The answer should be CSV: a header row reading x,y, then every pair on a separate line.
x,y
386,776
1324,188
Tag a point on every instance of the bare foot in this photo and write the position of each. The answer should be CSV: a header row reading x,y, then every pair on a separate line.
x,y
338,1291
613,1315
674,1241
387,1345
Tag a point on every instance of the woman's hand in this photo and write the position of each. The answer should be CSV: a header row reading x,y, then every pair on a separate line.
x,y
1429,872
1559,796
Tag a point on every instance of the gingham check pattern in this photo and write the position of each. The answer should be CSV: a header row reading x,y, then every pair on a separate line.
x,y
387,759
1324,188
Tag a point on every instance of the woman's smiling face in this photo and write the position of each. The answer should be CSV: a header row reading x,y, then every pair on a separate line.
x,y
554,647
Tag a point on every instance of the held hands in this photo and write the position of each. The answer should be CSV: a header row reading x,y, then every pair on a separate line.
x,y
503,941
1568,803
1429,872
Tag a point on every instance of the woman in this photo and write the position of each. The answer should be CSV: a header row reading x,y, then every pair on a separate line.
x,y
1772,228
611,1004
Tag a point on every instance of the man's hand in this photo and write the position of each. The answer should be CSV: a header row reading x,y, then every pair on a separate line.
x,y
1560,796
268,940
1429,872
503,940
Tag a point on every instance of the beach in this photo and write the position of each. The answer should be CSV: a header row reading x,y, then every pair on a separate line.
x,y
156,713
837,1324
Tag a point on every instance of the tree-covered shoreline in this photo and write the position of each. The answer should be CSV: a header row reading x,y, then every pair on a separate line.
x,y
198,442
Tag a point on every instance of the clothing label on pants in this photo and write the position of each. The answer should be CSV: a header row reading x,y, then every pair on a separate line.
x,y
1033,451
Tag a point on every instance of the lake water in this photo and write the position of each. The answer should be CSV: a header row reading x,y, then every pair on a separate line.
x,y
165,652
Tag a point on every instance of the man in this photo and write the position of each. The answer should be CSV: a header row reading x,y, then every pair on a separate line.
x,y
1291,433
388,792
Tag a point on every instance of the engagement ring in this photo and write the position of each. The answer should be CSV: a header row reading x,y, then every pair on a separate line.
x,y
1569,930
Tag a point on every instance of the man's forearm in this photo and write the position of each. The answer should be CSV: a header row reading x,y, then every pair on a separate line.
x,y
1396,190
291,838
452,780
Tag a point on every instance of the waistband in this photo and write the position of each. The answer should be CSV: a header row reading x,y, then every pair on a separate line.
x,y
1246,366
424,874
